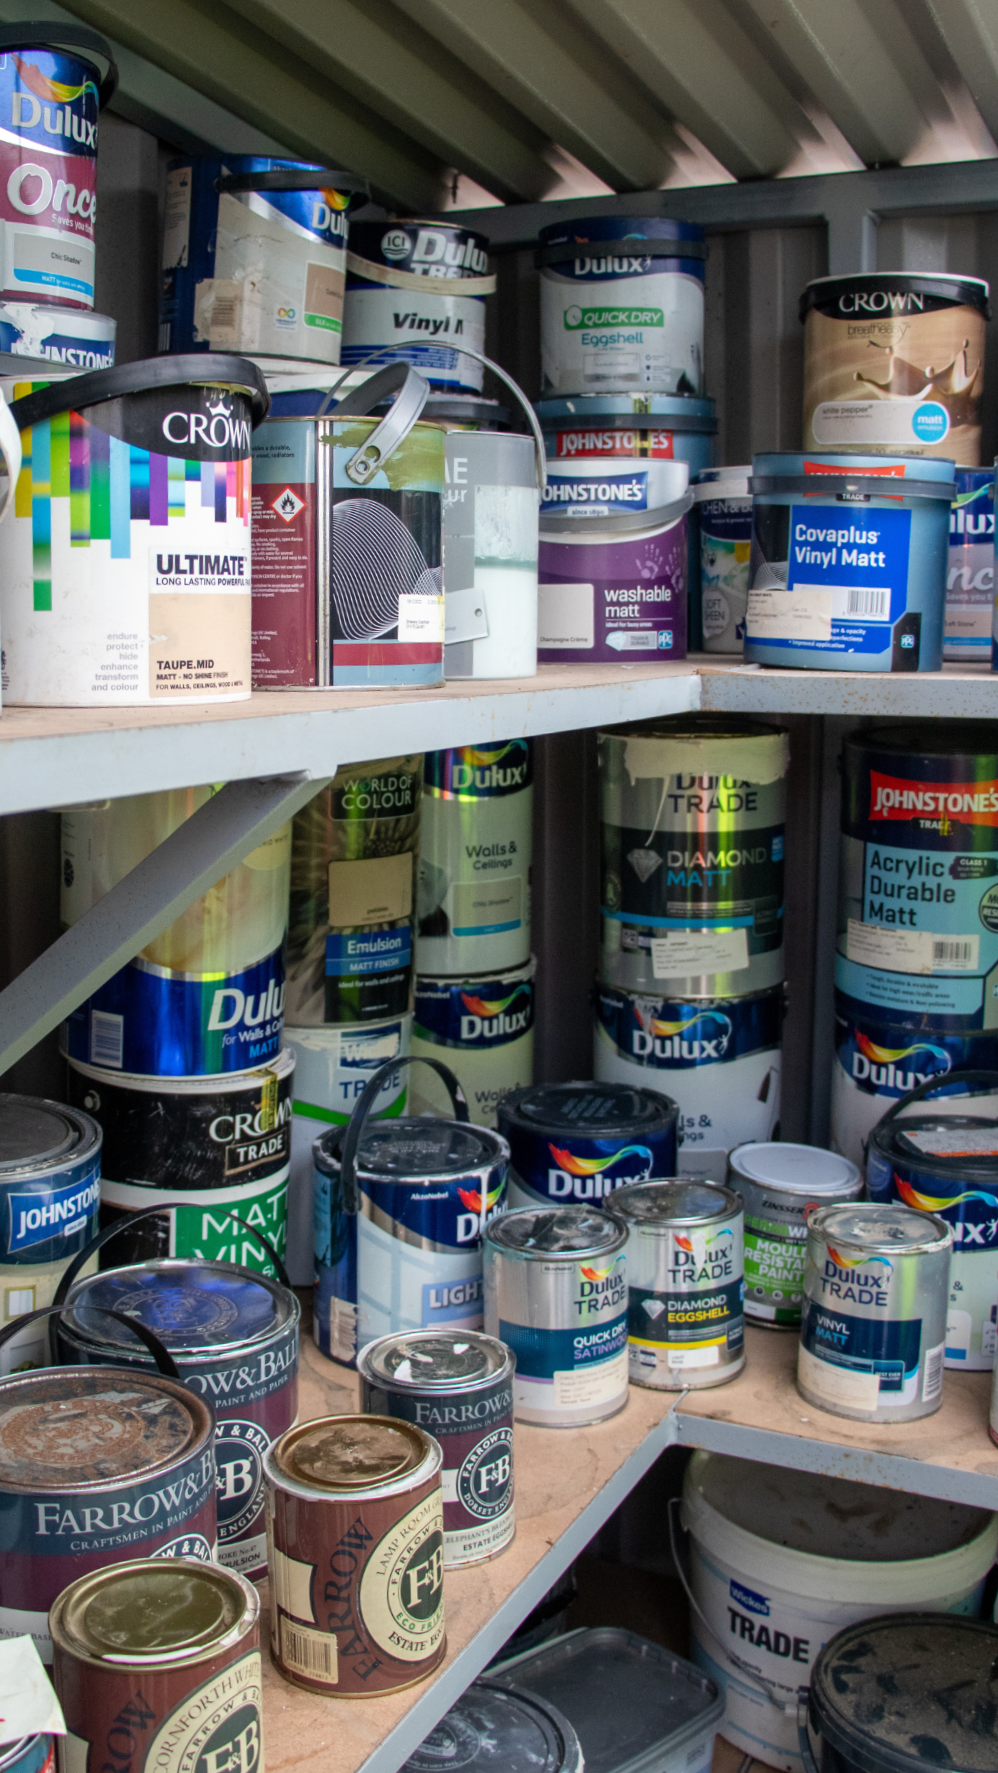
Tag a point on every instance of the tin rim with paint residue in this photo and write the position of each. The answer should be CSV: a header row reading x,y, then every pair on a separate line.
x,y
671,1203
874,1228
46,1404
555,1234
150,1611
355,1456
433,1361
175,1298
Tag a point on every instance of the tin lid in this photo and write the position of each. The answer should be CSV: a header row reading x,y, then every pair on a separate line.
x,y
823,292
909,1691
675,1202
493,1729
351,1452
785,1168
190,1306
78,1426
957,1144
154,1610
592,1110
555,1231
973,743
417,1150
36,1134
437,1360
879,1228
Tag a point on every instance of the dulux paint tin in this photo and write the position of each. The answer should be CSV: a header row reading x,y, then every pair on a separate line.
x,y
664,427
359,1496
483,1028
71,338
722,514
400,1208
458,1386
577,1142
416,290
233,1337
780,1183
556,1295
622,305
848,567
50,1164
894,360
473,896
780,1561
500,1725
970,575
873,1319
719,1059
692,836
589,487
613,586
490,555
685,1283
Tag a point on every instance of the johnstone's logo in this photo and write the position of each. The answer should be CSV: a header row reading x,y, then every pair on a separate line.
x,y
216,429
882,1066
588,1178
43,1214
968,803
676,1040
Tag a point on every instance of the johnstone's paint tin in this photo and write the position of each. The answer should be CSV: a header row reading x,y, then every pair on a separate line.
x,y
970,576
483,1028
416,290
719,1059
780,1184
473,896
458,1386
614,585
96,1467
665,427
579,1141
873,1321
234,1339
692,833
685,1283
361,1496
556,1294
72,339
50,1163
723,522
590,487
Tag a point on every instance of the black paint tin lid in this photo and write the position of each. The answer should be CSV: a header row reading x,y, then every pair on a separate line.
x,y
499,1730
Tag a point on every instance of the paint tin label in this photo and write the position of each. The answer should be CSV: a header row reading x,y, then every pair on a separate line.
x,y
387,314
613,321
48,107
601,597
608,489
473,893
660,445
203,1228
284,520
849,571
725,553
215,1722
970,575
573,1372
484,1030
76,340
685,1315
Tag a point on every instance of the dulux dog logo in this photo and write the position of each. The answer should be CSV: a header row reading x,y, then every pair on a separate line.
x,y
881,1066
491,1018
220,431
587,1178
674,1040
38,1216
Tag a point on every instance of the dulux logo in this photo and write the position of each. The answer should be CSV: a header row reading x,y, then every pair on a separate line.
x,y
880,1066
488,1019
672,1040
232,1008
220,432
585,1178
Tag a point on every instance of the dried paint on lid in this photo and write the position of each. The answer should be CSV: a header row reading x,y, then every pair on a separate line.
x,y
596,1110
350,1452
64,1428
154,1610
37,1135
555,1231
676,1202
444,1360
865,1227
417,1150
492,1727
190,1306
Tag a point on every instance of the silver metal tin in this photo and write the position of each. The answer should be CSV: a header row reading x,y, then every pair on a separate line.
x,y
780,1183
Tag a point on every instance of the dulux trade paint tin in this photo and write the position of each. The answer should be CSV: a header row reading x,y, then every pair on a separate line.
x,y
355,1542
685,1283
718,1059
476,839
556,1295
970,575
415,291
50,1164
780,1183
458,1386
665,427
614,585
781,1561
507,1726
849,561
483,1028
577,1142
68,337
873,1320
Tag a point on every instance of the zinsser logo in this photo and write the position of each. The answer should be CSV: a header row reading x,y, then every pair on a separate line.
x,y
897,797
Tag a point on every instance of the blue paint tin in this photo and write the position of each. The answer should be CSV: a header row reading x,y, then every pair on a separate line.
x,y
846,574
662,427
68,336
49,1205
970,576
579,1141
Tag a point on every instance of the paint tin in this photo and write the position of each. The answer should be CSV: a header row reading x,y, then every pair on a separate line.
x,y
473,896
234,1340
458,1386
719,1059
402,300
400,1207
846,575
692,824
970,576
873,1321
490,555
54,80
894,360
74,339
33,1754
723,518
359,1496
580,1141
96,1467
483,1029
500,1725
622,305
685,1283
588,487
556,1294
220,1145
163,1658
664,427
50,1164
354,854
613,585
780,1184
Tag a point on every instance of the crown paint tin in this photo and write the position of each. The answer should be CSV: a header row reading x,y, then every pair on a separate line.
x,y
579,1141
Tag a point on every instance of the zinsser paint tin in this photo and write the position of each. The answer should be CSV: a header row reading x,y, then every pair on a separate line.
x,y
490,555
50,1162
665,427
473,897
73,339
556,1294
580,1141
894,360
970,576
220,1145
399,1216
415,290
847,574
96,1467
622,305
613,585
873,1321
164,1661
355,1542
692,832
589,487
458,1386
126,570
685,1283
720,1060
234,1339
484,1029
780,1184
723,515
507,1726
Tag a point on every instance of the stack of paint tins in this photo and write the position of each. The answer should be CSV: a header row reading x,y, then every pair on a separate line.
x,y
179,1056
689,1000
416,291
354,853
474,970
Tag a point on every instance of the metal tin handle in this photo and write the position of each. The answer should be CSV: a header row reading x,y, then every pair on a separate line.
x,y
411,391
515,389
53,34
163,1358
348,1155
294,178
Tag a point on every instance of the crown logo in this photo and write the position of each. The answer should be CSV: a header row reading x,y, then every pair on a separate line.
x,y
219,405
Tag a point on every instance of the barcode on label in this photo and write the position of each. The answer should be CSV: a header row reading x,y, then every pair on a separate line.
x,y
107,1039
954,953
932,1384
874,603
308,1652
224,315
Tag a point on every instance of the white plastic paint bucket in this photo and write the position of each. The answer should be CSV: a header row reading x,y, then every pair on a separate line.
x,y
780,1561
416,291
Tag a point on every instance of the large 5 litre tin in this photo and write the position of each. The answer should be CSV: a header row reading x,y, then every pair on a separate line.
x,y
473,902
50,1159
484,1028
579,1141
685,1283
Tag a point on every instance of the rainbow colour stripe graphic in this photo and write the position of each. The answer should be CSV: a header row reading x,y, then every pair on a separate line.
x,y
598,1274
929,1203
657,1027
686,1243
593,1166
56,91
484,1006
472,1198
870,1261
890,1055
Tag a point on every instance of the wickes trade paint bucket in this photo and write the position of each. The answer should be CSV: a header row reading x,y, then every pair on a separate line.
x,y
894,360
665,427
125,573
622,305
849,561
415,291
722,518
50,1163
579,1141
780,1183
476,845
780,1561
490,555
970,576
615,585
719,1060
483,1028
69,337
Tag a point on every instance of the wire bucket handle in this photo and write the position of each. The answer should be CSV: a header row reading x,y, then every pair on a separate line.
x,y
365,1102
161,1355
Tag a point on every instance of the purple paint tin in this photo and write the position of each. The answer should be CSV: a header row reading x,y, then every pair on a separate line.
x,y
613,590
